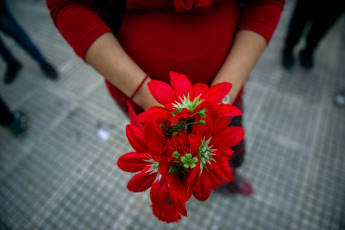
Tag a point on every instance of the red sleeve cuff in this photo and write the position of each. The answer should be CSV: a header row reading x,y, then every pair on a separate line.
x,y
88,39
262,17
78,23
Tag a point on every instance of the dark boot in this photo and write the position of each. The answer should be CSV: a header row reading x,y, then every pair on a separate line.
x,y
288,59
306,58
19,124
12,71
239,185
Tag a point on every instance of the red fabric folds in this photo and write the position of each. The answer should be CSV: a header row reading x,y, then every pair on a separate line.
x,y
185,5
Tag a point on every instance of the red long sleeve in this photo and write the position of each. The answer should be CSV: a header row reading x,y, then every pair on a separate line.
x,y
78,23
261,16
159,40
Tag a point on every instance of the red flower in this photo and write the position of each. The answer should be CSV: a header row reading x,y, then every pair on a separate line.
x,y
177,159
165,205
188,99
140,161
214,153
182,149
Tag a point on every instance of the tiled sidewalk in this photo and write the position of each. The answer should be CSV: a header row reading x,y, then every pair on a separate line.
x,y
61,175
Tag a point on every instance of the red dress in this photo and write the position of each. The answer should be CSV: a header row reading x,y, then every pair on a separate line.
x,y
192,37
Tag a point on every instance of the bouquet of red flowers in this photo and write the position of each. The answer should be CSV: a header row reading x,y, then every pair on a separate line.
x,y
183,148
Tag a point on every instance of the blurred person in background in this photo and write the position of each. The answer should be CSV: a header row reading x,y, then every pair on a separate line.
x,y
321,15
210,41
14,121
10,27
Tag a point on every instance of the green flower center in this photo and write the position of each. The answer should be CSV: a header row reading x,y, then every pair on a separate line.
x,y
205,151
188,161
186,103
154,166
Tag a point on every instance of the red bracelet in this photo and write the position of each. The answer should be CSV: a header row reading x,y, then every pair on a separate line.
x,y
139,86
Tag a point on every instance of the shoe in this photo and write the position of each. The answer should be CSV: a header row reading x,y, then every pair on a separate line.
x,y
12,71
48,70
239,185
19,124
306,58
339,99
288,59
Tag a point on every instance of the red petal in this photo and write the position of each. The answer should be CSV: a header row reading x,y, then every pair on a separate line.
x,y
173,119
159,193
179,203
154,137
224,110
173,180
217,92
220,124
161,207
169,215
158,113
136,138
180,83
162,92
229,137
191,179
197,89
132,162
154,149
133,117
141,181
195,142
152,129
225,167
215,181
204,188
222,171
205,130
223,154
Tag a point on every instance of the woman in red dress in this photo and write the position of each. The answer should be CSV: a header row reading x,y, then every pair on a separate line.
x,y
210,41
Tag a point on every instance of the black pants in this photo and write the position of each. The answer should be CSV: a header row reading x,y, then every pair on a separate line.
x,y
321,14
10,27
6,117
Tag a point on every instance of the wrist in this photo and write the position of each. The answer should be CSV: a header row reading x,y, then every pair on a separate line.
x,y
139,86
143,96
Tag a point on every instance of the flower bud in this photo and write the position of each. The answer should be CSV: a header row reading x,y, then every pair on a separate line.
x,y
176,154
